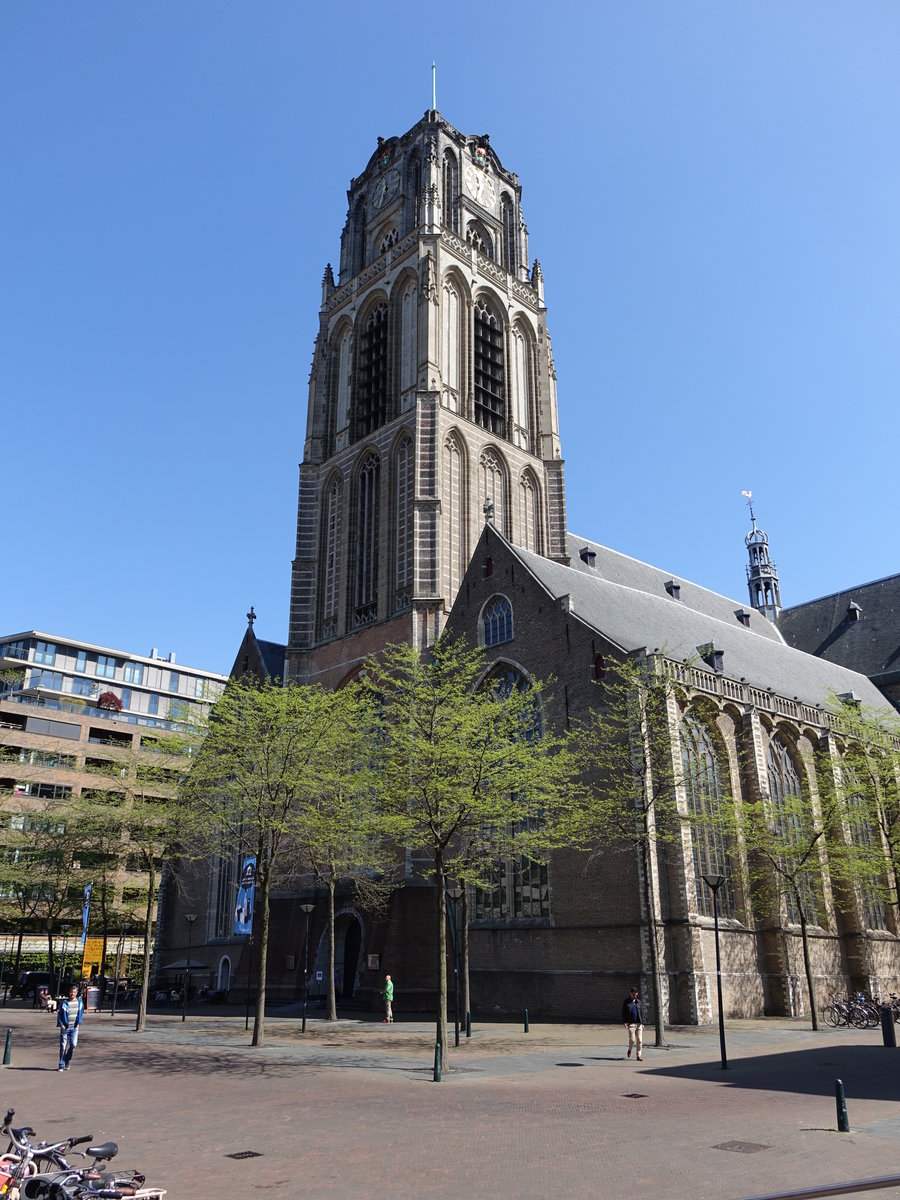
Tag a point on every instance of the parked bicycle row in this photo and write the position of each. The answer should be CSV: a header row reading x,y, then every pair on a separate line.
x,y
860,1011
40,1170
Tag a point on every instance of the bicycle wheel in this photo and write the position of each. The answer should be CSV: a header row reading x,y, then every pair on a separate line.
x,y
832,1016
859,1018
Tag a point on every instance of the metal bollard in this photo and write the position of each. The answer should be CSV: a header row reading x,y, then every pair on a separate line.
x,y
526,1020
842,1118
888,1032
437,1062
7,1053
468,1024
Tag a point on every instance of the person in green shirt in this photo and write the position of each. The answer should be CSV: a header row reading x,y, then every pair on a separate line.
x,y
388,995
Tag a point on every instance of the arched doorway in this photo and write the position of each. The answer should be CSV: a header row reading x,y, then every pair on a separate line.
x,y
347,945
224,983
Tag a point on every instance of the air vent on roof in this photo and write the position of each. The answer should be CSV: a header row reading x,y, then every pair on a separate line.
x,y
588,556
566,603
674,589
854,612
850,698
743,616
712,657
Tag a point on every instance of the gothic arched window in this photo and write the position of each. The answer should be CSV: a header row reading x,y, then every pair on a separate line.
x,y
367,506
409,333
391,238
478,236
790,814
862,834
497,622
453,512
493,488
403,502
413,190
490,371
507,216
519,887
530,513
343,371
358,257
372,388
521,386
330,558
450,343
450,191
703,787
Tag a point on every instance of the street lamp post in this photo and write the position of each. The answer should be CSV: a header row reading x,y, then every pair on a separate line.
x,y
190,918
306,908
453,895
714,882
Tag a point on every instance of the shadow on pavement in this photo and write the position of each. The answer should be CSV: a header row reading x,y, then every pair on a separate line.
x,y
867,1072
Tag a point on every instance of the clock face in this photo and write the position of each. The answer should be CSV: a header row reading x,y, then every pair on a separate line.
x,y
386,188
480,186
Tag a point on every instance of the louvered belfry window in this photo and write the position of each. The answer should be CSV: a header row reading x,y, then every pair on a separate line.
x,y
371,411
490,376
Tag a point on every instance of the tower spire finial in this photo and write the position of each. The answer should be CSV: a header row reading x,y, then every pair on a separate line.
x,y
762,574
433,86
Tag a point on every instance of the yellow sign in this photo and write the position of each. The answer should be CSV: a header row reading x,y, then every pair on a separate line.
x,y
92,957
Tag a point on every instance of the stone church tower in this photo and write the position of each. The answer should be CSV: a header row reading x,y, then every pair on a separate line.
x,y
432,402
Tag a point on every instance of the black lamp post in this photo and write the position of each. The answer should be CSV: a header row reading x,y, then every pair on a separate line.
x,y
190,918
306,908
453,895
714,882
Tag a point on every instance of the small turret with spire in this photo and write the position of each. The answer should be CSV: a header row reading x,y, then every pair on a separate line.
x,y
762,574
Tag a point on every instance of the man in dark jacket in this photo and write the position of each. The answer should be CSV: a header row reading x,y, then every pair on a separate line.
x,y
633,1018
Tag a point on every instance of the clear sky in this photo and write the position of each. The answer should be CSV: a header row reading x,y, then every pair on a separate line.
x,y
713,191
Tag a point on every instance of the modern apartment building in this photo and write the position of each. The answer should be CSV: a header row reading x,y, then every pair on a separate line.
x,y
75,718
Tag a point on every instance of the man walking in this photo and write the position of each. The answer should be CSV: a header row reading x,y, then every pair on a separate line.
x,y
633,1017
68,1019
388,1000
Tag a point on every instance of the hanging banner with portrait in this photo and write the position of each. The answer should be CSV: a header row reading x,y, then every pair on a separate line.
x,y
243,909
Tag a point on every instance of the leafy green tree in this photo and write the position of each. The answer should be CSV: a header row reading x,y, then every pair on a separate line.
x,y
467,775
266,750
341,835
630,755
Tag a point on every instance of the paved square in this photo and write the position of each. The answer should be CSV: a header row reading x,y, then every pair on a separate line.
x,y
350,1108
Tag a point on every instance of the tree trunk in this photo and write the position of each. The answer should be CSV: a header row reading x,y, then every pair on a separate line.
x,y
658,1021
441,1032
464,982
259,1019
807,966
141,1022
332,999
51,963
18,951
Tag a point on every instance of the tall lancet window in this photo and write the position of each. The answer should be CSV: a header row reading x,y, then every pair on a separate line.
x,y
413,190
521,387
366,591
790,815
493,488
508,252
342,418
450,348
453,513
409,323
450,192
403,502
331,562
372,396
703,787
490,373
529,513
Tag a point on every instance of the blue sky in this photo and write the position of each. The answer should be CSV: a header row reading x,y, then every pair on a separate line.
x,y
712,189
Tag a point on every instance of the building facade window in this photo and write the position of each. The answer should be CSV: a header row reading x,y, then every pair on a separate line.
x,y
367,522
530,515
450,192
85,687
153,704
861,833
786,791
453,512
330,558
493,488
81,661
45,652
403,507
372,388
490,373
51,680
703,789
174,681
450,344
497,623
134,673
106,666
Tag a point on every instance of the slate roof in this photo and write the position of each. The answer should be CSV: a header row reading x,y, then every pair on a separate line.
x,y
625,600
871,644
272,655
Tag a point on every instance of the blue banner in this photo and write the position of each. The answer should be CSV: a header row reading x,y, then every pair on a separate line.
x,y
243,909
85,912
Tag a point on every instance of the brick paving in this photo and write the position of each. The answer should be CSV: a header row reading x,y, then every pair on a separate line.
x,y
350,1108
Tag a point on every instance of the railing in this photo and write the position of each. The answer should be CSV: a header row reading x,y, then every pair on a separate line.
x,y
87,710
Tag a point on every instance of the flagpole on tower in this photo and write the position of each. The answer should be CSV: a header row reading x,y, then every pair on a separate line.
x,y
434,87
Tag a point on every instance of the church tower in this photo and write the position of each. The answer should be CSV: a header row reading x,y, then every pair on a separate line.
x,y
762,574
432,402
